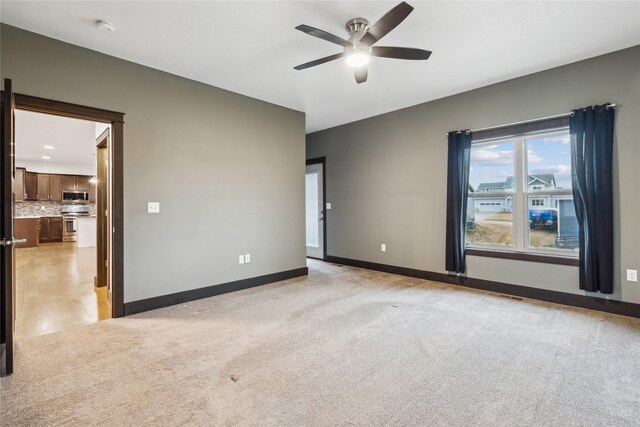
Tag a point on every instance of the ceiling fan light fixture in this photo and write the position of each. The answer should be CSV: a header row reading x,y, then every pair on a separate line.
x,y
357,59
359,48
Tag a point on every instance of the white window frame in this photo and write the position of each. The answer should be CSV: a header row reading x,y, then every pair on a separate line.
x,y
520,196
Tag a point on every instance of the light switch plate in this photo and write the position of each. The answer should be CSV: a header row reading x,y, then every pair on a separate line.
x,y
328,206
632,275
153,207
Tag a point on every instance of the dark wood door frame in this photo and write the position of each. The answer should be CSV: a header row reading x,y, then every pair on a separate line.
x,y
7,251
323,162
102,206
47,106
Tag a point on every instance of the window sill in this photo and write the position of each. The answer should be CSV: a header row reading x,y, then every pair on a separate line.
x,y
521,256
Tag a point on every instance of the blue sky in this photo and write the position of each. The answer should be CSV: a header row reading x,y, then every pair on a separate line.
x,y
551,154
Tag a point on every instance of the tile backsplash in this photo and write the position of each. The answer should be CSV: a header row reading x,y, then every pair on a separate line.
x,y
45,208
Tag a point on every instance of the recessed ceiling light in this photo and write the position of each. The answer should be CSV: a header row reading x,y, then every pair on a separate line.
x,y
104,26
48,147
46,157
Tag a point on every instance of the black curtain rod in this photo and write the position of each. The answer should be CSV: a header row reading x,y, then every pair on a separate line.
x,y
530,121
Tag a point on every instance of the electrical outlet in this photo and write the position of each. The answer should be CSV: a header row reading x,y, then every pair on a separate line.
x,y
383,247
241,259
328,206
247,258
632,275
153,207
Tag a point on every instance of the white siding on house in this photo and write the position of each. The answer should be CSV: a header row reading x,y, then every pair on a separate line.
x,y
492,204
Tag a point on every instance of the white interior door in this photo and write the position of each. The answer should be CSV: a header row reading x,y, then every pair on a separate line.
x,y
314,211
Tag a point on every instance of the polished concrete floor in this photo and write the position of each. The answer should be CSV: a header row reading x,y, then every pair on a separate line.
x,y
55,291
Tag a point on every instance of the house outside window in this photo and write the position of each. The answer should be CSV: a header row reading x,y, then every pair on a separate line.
x,y
520,194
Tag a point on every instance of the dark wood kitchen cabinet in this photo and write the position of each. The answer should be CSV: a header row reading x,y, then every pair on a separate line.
x,y
50,229
44,224
92,193
55,188
26,228
76,183
18,186
30,186
68,183
43,187
83,183
49,187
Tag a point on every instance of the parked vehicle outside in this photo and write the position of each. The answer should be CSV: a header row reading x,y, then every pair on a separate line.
x,y
543,219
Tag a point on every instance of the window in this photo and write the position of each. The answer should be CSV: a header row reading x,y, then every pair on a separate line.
x,y
520,195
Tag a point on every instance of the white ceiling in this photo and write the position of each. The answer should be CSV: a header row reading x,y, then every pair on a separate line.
x,y
252,47
73,140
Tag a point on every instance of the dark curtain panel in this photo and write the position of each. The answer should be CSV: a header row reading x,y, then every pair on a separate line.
x,y
457,192
591,131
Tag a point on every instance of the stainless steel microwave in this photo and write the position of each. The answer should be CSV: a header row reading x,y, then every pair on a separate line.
x,y
75,196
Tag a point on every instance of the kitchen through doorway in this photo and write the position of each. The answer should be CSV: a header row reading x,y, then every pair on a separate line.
x,y
62,205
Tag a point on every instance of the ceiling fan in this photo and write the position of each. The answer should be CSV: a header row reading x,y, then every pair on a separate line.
x,y
359,48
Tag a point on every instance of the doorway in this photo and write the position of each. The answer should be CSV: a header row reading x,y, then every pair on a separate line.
x,y
54,228
55,219
315,209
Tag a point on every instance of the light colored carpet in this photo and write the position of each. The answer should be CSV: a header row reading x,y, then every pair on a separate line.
x,y
342,347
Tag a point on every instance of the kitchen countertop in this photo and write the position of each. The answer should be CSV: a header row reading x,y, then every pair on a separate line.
x,y
37,216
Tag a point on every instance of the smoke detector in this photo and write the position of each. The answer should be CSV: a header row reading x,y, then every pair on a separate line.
x,y
105,27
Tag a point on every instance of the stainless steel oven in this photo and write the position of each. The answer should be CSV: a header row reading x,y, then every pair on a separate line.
x,y
70,214
69,228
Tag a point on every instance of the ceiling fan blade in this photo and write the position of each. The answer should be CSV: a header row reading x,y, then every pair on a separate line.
x,y
321,34
360,74
319,61
400,52
387,23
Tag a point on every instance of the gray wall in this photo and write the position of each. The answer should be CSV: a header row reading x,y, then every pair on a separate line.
x,y
228,170
386,176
